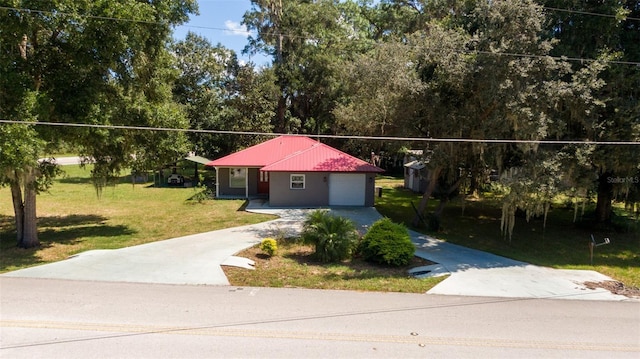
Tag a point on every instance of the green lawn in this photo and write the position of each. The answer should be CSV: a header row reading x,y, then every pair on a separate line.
x,y
73,219
563,244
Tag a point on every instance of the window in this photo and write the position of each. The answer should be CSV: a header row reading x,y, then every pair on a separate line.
x,y
237,177
297,182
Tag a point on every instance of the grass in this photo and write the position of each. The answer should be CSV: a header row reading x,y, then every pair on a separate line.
x,y
294,266
73,219
562,244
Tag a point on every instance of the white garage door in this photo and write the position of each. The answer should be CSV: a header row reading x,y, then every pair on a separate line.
x,y
347,189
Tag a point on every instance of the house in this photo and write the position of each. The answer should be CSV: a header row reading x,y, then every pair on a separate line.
x,y
296,171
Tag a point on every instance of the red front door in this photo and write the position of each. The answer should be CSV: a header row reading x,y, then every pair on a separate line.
x,y
263,182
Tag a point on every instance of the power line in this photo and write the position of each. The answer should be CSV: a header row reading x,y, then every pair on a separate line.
x,y
108,18
346,137
562,58
572,59
98,17
589,13
213,28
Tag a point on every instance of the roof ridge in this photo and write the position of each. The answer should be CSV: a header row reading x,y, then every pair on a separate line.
x,y
294,154
335,154
342,152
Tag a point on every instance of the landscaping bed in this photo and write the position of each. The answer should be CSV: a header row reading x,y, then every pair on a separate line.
x,y
294,266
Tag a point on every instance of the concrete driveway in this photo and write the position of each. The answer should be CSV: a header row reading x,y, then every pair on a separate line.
x,y
476,273
196,260
193,259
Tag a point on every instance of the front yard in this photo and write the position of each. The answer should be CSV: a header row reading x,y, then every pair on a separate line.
x,y
73,219
563,244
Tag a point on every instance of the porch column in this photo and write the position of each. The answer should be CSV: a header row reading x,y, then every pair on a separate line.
x,y
246,182
217,183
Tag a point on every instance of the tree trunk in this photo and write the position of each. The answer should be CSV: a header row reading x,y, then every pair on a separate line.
x,y
281,110
280,126
437,214
605,197
29,227
18,208
433,180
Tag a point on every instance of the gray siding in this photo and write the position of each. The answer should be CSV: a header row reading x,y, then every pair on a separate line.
x,y
225,190
315,193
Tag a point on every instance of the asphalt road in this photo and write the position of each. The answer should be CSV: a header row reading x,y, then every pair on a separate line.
x,y
47,318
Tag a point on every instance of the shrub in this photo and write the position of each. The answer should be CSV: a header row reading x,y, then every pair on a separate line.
x,y
387,243
269,246
333,237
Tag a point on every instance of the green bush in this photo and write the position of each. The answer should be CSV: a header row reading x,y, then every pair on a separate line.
x,y
333,237
269,246
387,243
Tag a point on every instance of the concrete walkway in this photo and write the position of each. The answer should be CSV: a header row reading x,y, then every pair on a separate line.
x,y
196,260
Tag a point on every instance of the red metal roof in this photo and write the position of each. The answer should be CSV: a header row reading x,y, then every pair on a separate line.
x,y
265,153
321,158
295,154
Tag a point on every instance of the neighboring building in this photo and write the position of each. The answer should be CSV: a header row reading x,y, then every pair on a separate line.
x,y
296,171
415,171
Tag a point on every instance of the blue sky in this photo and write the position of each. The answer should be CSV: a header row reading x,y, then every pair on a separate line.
x,y
219,22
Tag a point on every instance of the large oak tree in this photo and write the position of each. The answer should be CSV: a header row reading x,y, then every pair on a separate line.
x,y
91,62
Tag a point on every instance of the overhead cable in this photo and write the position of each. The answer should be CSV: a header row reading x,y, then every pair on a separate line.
x,y
590,13
346,137
572,59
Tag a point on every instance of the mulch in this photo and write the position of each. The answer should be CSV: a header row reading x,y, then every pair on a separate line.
x,y
615,287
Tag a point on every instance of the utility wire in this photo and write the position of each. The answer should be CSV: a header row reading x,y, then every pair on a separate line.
x,y
347,137
561,58
98,17
121,19
590,13
291,36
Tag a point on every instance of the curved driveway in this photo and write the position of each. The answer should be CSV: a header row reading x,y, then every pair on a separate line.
x,y
196,260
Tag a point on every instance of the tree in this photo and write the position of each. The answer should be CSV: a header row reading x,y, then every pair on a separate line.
x,y
26,176
614,35
221,94
470,85
92,62
308,40
266,18
251,104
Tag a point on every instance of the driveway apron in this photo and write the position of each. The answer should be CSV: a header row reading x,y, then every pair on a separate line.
x,y
197,259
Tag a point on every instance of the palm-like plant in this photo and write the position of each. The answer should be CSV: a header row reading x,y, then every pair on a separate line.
x,y
333,237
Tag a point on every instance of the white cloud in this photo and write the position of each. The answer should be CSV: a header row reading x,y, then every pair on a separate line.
x,y
234,28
